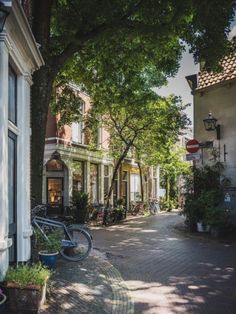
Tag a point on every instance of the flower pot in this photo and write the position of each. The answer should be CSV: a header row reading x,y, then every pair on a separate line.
x,y
3,299
48,259
201,227
25,300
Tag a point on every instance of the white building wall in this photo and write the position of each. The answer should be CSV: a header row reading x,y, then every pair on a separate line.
x,y
4,243
17,47
221,102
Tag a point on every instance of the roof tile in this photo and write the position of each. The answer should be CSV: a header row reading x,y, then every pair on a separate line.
x,y
229,72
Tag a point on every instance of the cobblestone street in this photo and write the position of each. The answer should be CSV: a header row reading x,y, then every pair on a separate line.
x,y
168,271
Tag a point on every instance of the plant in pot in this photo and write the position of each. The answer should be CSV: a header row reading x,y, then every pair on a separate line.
x,y
204,191
219,220
25,287
80,203
49,247
3,299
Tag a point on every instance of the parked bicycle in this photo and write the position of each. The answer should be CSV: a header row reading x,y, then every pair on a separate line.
x,y
136,208
154,207
76,242
102,215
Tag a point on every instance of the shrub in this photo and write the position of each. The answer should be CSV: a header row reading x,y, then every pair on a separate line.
x,y
27,275
54,241
80,201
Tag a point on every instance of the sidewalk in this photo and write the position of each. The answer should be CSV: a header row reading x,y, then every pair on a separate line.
x,y
93,286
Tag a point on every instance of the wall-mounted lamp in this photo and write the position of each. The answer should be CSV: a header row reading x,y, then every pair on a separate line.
x,y
210,124
4,12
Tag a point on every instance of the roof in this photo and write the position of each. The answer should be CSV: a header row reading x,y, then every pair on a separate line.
x,y
206,79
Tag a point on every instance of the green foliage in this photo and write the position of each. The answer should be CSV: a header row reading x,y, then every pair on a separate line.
x,y
218,216
80,202
168,204
67,103
53,244
80,199
204,199
117,50
27,275
120,202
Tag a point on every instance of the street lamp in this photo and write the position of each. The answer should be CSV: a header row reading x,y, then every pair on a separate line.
x,y
210,124
3,15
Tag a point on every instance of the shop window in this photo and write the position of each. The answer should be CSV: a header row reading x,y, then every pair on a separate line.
x,y
78,176
124,187
135,189
55,191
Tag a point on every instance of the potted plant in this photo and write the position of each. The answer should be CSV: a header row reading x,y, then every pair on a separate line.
x,y
80,202
219,220
49,248
3,299
25,287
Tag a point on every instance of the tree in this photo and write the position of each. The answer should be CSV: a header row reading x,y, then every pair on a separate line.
x,y
172,166
134,32
146,130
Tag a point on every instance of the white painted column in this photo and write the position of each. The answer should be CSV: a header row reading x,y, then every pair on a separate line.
x,y
23,169
158,182
86,176
4,243
101,183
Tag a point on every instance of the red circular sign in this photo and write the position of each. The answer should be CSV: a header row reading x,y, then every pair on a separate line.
x,y
192,146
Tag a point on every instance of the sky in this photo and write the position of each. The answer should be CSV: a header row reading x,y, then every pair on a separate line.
x,y
178,85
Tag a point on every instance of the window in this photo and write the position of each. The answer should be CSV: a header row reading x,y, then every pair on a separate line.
x,y
124,187
55,165
12,96
78,176
77,128
135,187
77,132
55,191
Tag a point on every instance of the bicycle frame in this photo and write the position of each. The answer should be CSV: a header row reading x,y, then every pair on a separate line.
x,y
39,221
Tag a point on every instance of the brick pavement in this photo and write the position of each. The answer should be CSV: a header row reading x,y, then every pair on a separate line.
x,y
93,286
169,272
161,269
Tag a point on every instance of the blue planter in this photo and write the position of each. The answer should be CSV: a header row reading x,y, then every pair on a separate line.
x,y
48,259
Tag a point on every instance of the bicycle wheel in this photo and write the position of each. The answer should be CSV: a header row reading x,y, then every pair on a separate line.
x,y
83,242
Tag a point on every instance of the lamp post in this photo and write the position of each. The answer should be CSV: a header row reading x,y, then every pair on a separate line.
x,y
3,15
210,124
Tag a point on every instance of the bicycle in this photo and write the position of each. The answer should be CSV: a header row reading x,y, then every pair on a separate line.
x,y
76,242
136,207
154,207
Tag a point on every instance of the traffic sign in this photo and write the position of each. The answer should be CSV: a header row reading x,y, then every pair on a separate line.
x,y
192,146
193,157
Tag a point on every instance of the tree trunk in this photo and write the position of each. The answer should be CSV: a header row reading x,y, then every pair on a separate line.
x,y
40,95
117,166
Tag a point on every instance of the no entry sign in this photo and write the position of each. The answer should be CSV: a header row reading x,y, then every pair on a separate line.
x,y
192,146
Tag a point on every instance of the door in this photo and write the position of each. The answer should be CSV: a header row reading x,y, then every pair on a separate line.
x,y
55,195
12,195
